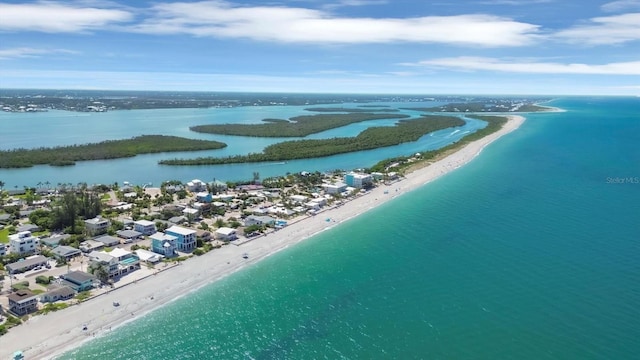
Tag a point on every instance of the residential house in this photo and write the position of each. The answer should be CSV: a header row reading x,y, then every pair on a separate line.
x,y
145,227
96,226
91,245
22,302
78,280
54,240
258,220
148,256
335,188
204,197
3,249
23,243
26,264
358,180
196,185
108,240
57,293
127,261
164,244
186,238
298,198
226,234
129,236
66,253
116,263
28,227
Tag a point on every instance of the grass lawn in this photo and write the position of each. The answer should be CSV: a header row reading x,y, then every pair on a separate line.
x,y
4,236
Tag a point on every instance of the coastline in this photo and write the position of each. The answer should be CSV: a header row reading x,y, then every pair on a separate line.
x,y
49,335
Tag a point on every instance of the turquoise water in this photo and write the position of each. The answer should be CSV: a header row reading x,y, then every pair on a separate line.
x,y
58,128
529,252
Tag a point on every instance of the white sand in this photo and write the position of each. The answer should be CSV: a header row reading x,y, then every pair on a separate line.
x,y
43,337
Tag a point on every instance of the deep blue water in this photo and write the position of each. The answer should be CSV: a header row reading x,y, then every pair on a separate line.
x,y
529,252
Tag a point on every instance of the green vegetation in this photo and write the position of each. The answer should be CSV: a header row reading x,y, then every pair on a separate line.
x,y
349,110
494,123
22,285
83,295
51,307
4,235
371,138
298,126
496,106
42,279
113,149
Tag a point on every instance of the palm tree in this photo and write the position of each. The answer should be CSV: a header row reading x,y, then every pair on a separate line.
x,y
1,185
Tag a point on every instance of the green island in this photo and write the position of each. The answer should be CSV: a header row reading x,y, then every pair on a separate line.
x,y
350,110
298,126
406,164
111,149
498,106
371,138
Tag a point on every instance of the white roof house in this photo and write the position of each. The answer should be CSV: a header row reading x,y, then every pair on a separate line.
x,y
226,233
180,230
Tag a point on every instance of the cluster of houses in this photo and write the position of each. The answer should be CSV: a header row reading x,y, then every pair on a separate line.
x,y
103,251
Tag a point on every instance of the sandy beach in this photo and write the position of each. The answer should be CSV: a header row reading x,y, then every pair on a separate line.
x,y
44,337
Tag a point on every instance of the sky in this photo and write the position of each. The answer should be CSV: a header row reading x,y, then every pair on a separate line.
x,y
524,47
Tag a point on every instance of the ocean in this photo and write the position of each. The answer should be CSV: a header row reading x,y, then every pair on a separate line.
x,y
528,252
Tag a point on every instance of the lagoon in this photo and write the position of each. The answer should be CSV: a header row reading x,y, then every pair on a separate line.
x,y
58,128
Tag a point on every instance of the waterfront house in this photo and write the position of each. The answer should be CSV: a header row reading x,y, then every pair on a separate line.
x,y
96,226
78,280
148,256
258,220
116,263
145,227
358,180
26,264
335,188
186,238
226,234
164,244
22,302
23,243
65,253
57,293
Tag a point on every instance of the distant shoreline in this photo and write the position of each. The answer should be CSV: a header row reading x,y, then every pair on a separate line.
x,y
56,333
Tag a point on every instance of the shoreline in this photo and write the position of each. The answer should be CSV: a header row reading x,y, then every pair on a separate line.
x,y
47,336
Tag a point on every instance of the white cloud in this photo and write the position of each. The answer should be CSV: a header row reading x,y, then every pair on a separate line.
x,y
54,17
621,5
300,25
530,67
25,52
515,2
605,30
352,3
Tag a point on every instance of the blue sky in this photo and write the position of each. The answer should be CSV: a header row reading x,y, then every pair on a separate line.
x,y
548,47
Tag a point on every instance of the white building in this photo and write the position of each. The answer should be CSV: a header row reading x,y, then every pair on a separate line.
x,y
145,227
23,243
96,226
226,234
